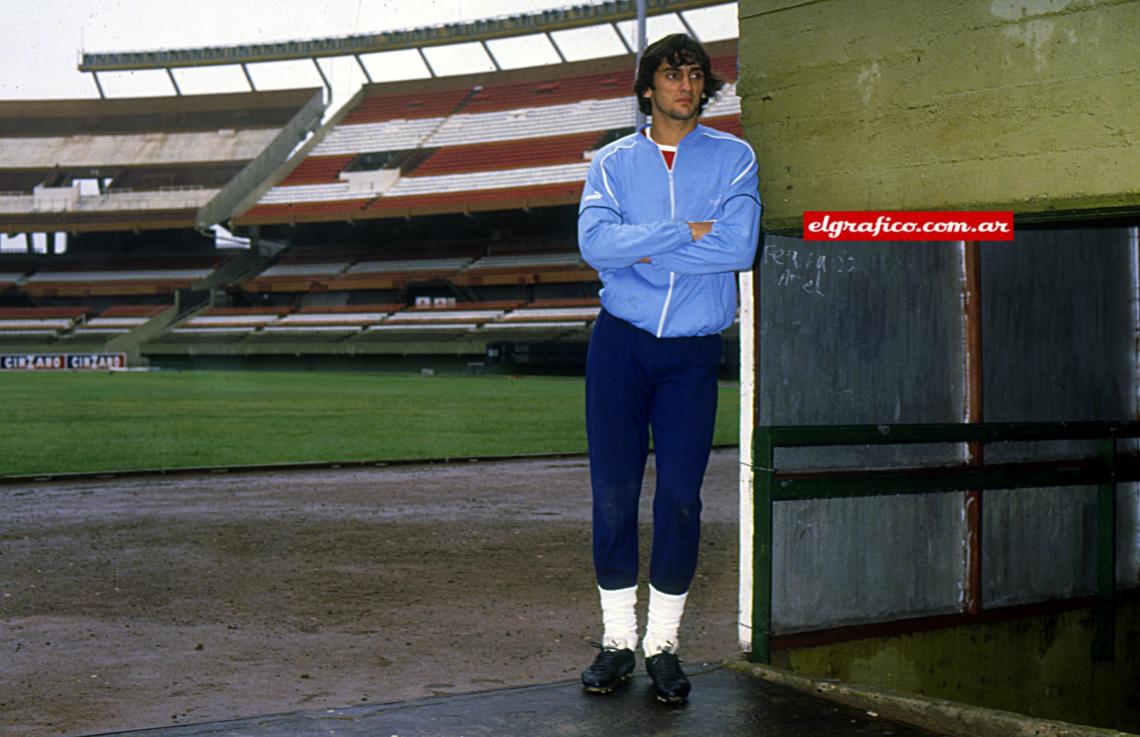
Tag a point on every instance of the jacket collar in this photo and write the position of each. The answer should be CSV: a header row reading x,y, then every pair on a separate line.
x,y
691,136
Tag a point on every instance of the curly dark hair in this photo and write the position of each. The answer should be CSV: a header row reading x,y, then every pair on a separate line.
x,y
676,49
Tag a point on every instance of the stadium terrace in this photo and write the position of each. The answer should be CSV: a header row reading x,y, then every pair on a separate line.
x,y
429,217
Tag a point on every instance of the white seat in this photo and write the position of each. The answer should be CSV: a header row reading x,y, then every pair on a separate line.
x,y
326,318
562,313
534,122
399,265
210,321
125,275
495,179
440,315
391,135
526,260
305,269
533,325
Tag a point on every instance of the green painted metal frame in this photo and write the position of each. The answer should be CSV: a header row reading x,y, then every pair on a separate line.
x,y
771,487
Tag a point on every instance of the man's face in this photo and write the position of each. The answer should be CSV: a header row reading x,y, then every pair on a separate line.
x,y
676,91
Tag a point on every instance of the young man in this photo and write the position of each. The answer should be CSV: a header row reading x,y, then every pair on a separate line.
x,y
668,215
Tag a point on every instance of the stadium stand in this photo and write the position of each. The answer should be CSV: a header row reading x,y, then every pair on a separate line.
x,y
547,320
527,268
117,320
13,272
226,323
579,310
326,323
397,273
141,163
534,152
491,141
426,217
435,324
118,278
407,106
39,324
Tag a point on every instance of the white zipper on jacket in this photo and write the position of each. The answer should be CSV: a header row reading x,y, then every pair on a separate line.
x,y
672,275
665,309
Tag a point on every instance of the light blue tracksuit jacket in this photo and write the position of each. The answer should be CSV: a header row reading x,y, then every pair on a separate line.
x,y
634,207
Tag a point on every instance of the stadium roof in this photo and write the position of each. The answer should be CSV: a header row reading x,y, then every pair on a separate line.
x,y
541,22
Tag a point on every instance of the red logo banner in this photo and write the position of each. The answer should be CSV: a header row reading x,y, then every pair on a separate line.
x,y
897,225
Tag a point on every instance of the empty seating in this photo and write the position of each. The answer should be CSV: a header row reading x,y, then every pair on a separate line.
x,y
725,104
303,269
119,319
405,106
490,179
326,323
485,145
394,135
139,163
354,316
560,91
728,124
527,261
314,269
536,122
469,314
366,270
527,268
74,278
517,154
444,265
504,198
348,270
581,310
290,212
228,322
431,323
151,275
8,278
550,319
318,170
493,320
39,322
326,192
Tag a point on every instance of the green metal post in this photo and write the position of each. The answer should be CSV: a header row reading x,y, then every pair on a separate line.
x,y
1104,642
762,508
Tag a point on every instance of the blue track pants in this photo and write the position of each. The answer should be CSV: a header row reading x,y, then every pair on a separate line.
x,y
634,382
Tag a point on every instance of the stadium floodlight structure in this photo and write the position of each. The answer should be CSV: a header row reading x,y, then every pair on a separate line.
x,y
542,23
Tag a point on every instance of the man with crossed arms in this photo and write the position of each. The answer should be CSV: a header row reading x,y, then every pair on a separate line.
x,y
668,215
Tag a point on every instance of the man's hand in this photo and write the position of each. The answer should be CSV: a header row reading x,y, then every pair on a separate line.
x,y
700,229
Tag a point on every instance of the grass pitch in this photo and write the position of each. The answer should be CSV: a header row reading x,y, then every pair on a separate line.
x,y
90,422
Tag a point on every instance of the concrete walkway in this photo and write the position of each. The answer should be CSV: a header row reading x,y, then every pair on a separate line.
x,y
724,703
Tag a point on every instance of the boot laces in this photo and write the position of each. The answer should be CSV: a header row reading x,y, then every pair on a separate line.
x,y
607,655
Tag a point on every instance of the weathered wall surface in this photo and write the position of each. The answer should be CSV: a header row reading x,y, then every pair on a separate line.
x,y
1058,310
875,333
1038,666
1024,105
863,333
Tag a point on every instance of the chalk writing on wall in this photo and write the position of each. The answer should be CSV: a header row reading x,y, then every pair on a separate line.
x,y
809,271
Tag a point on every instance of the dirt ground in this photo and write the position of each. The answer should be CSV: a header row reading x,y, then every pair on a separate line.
x,y
147,602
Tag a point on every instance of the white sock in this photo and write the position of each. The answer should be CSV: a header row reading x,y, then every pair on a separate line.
x,y
619,617
665,612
